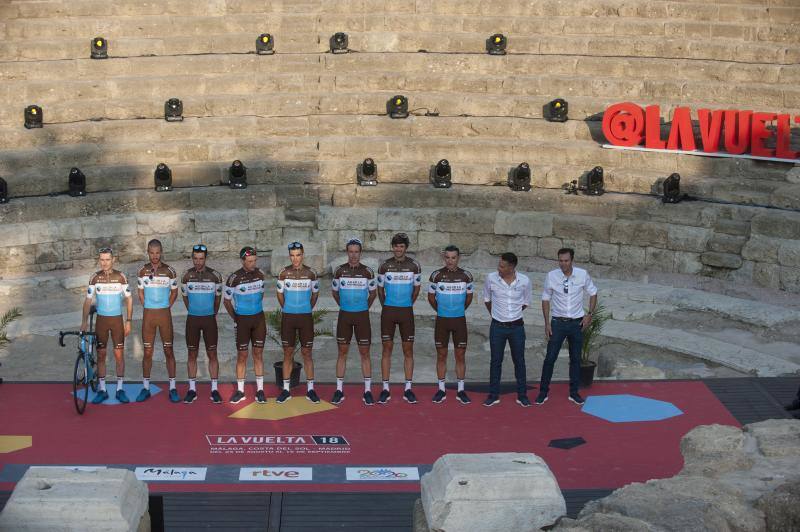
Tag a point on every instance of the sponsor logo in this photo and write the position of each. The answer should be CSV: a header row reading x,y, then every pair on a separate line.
x,y
272,474
270,439
181,474
382,473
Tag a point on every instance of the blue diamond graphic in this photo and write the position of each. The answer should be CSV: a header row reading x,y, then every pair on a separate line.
x,y
625,408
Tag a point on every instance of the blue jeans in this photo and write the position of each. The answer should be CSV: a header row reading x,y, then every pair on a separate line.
x,y
515,336
572,332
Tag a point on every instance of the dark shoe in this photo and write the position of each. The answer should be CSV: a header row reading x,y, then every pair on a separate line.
x,y
216,397
523,401
576,398
409,397
173,396
384,397
191,395
143,396
284,396
368,400
312,396
99,397
237,397
540,399
439,396
122,397
463,398
338,397
794,405
260,397
491,400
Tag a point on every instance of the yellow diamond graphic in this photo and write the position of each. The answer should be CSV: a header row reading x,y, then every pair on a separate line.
x,y
9,444
274,411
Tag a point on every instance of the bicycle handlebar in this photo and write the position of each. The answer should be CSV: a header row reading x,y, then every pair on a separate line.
x,y
62,334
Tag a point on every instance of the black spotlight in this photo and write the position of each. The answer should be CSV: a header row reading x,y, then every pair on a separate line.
x,y
496,44
367,173
672,189
594,181
99,48
237,175
339,43
397,107
556,111
163,178
173,110
441,176
265,44
520,178
33,117
77,183
3,191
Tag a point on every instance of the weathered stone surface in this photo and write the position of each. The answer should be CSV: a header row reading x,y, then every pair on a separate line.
x,y
606,522
602,253
686,238
721,260
761,248
780,507
267,219
687,262
776,437
419,522
790,278
767,275
478,221
726,243
524,246
432,240
639,233
582,227
220,220
55,499
777,224
363,218
710,450
732,227
789,253
101,226
164,222
496,491
407,219
523,223
637,372
52,231
631,256
548,247
659,259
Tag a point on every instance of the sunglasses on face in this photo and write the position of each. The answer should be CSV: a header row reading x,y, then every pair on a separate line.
x,y
105,250
247,252
200,247
353,241
295,245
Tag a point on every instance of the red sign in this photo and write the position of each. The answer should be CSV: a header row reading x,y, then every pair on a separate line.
x,y
740,132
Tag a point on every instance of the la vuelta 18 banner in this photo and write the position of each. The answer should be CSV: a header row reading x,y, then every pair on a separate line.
x,y
743,134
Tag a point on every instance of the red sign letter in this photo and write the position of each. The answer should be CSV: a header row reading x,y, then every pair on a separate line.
x,y
783,147
710,130
681,133
652,128
759,132
623,124
737,139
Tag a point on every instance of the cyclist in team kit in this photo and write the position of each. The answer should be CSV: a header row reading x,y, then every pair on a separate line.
x,y
201,288
108,288
450,294
244,301
354,289
298,290
157,285
399,279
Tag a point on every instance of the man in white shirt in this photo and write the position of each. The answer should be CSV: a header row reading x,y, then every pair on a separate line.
x,y
563,297
506,294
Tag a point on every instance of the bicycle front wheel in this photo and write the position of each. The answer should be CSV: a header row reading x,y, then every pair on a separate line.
x,y
80,383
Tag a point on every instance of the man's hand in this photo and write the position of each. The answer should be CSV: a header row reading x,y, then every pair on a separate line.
x,y
548,331
127,328
83,327
586,321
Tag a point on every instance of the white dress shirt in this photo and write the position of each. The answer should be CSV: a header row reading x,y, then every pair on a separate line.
x,y
569,304
507,299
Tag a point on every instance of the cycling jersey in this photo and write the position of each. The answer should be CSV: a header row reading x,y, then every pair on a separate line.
x,y
398,279
201,288
297,286
108,290
451,288
157,284
354,285
246,291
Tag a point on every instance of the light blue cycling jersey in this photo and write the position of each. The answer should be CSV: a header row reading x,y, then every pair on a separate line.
x,y
246,291
108,290
201,289
451,288
157,284
297,286
353,285
398,279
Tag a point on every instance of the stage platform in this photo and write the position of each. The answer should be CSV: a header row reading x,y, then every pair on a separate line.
x,y
352,456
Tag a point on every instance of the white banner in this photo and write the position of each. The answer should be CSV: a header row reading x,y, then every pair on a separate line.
x,y
272,474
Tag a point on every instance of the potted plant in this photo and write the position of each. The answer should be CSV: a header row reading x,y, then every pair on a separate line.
x,y
274,319
588,366
5,319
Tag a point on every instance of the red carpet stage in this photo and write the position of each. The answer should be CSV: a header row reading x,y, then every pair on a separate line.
x,y
626,432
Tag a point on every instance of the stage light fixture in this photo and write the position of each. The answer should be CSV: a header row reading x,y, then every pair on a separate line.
x,y
237,175
397,107
77,183
163,178
265,44
367,173
496,44
173,110
441,174
556,111
519,179
339,42
33,117
594,181
672,189
3,191
99,48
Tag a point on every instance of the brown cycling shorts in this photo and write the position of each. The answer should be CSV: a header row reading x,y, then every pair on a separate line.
x,y
250,329
207,325
445,327
294,324
349,322
156,318
403,317
110,325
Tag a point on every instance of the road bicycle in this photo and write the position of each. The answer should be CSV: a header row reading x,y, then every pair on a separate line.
x,y
85,374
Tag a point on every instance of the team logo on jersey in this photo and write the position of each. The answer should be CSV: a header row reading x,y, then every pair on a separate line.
x,y
146,281
89,291
288,284
242,289
388,277
335,283
441,287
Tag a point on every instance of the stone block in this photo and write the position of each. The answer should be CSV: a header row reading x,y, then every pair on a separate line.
x,y
265,219
548,247
103,226
470,243
686,262
51,498
721,260
216,241
778,224
639,233
727,243
602,253
780,507
711,450
761,248
407,219
523,223
732,227
632,256
776,437
768,275
582,227
164,222
220,220
581,249
789,253
359,218
790,279
50,231
433,240
495,491
685,238
524,246
269,239
478,221
659,259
